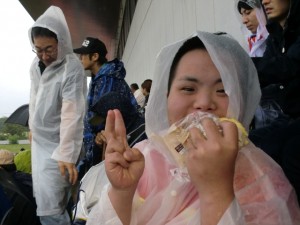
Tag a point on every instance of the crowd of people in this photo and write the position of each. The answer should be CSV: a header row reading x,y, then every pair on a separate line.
x,y
124,151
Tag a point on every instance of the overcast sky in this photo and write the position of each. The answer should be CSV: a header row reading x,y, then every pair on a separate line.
x,y
16,56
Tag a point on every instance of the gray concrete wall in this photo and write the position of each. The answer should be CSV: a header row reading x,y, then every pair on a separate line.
x,y
157,23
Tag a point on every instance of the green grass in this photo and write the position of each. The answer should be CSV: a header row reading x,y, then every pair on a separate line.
x,y
15,148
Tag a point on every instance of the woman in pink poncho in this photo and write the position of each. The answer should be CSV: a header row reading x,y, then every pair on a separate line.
x,y
220,183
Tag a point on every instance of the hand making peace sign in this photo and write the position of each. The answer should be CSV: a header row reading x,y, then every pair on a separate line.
x,y
124,165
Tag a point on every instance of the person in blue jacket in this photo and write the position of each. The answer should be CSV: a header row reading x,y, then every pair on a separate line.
x,y
107,76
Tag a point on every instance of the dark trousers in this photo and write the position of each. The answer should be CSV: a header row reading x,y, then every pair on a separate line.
x,y
281,141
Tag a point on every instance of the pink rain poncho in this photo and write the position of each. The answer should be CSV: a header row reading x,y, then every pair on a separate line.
x,y
263,194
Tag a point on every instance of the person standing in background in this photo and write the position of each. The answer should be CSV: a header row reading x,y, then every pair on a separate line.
x,y
107,76
138,94
254,26
146,88
56,110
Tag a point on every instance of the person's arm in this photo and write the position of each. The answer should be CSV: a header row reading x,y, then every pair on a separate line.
x,y
34,81
277,67
71,126
233,215
214,205
124,166
210,162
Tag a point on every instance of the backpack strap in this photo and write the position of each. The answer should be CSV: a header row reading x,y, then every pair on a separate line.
x,y
135,135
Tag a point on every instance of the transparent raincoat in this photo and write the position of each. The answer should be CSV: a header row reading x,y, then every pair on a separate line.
x,y
263,195
57,105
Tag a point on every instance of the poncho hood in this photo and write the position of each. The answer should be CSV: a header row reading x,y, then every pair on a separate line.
x,y
237,72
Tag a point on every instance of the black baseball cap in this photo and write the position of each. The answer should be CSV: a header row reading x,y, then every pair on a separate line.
x,y
92,45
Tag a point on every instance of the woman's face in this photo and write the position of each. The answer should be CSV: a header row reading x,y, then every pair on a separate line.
x,y
197,86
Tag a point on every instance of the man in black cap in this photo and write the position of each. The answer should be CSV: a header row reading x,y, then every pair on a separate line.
x,y
92,54
107,76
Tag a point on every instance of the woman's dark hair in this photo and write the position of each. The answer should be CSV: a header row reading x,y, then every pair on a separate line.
x,y
42,32
134,86
189,45
147,85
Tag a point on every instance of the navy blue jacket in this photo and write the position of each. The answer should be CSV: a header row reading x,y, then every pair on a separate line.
x,y
280,64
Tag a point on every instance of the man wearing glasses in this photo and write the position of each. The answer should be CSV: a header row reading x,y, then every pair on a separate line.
x,y
57,105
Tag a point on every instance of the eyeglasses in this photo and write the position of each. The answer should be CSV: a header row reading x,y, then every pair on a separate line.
x,y
49,51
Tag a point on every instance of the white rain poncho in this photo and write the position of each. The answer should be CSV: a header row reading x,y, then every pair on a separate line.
x,y
258,46
57,106
263,194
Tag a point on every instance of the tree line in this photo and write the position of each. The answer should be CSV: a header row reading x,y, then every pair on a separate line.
x,y
12,132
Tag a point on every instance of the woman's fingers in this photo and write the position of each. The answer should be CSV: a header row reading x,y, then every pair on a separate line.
x,y
115,132
120,127
197,136
230,133
114,126
116,158
110,124
210,159
133,154
212,131
119,123
225,129
226,133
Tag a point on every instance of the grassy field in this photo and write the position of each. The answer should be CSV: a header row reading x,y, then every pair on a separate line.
x,y
15,147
